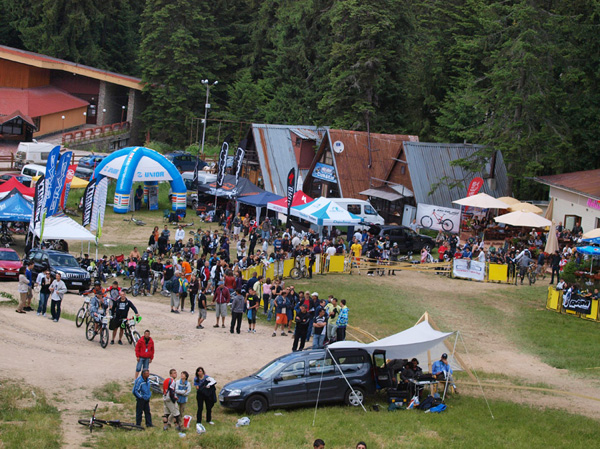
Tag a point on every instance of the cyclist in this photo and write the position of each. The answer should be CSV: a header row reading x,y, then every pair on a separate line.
x,y
142,273
98,307
97,289
120,310
113,292
524,260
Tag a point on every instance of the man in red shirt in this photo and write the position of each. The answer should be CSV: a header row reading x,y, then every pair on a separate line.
x,y
221,297
144,351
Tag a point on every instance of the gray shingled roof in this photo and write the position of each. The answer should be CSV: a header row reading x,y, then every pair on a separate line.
x,y
429,166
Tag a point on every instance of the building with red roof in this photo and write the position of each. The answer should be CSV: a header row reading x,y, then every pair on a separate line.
x,y
41,95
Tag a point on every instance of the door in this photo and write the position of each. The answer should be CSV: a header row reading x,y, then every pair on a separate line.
x,y
382,372
323,375
289,386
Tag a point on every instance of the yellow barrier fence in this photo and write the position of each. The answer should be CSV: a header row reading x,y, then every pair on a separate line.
x,y
554,303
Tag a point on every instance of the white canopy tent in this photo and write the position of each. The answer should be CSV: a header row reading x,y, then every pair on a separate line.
x,y
325,212
416,341
61,227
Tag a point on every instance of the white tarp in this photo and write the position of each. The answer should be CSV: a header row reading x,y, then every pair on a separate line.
x,y
438,218
147,170
468,269
60,227
325,212
412,342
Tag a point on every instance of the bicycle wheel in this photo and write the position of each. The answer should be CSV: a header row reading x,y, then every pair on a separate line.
x,y
447,225
531,277
104,337
90,333
80,317
136,336
135,290
86,422
426,221
129,426
295,273
128,334
154,286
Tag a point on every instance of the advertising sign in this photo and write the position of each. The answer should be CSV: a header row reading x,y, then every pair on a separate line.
x,y
438,218
475,186
324,172
575,303
290,189
468,269
153,197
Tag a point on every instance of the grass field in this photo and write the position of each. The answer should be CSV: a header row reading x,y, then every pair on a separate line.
x,y
26,418
466,423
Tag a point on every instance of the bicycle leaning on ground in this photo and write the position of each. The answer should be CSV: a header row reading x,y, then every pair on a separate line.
x,y
96,423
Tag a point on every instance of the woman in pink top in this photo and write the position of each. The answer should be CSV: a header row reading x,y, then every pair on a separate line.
x,y
267,294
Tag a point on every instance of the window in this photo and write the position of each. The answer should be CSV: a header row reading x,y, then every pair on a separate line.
x,y
293,371
354,209
30,172
321,366
44,155
352,363
369,210
571,220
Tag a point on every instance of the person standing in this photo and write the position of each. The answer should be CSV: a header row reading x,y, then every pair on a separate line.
x,y
172,287
193,289
342,322
237,310
141,391
319,329
281,305
252,303
555,264
302,319
139,196
44,280
23,288
201,308
29,274
221,297
120,310
57,292
144,351
206,394
333,310
183,388
180,234
170,401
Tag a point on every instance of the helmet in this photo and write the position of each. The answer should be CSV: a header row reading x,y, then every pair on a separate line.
x,y
97,284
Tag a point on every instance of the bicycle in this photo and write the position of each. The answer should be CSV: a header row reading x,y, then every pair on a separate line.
x,y
156,280
96,423
531,274
129,326
445,223
83,314
90,330
135,220
299,270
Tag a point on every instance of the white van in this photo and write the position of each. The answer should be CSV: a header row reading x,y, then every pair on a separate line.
x,y
32,171
32,153
363,209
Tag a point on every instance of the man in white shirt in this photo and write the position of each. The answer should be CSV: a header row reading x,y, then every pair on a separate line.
x,y
180,234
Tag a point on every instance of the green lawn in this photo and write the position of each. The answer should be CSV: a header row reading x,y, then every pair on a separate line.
x,y
466,423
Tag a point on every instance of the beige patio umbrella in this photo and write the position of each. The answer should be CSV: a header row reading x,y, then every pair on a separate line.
x,y
509,200
593,234
552,240
550,209
482,201
525,207
520,218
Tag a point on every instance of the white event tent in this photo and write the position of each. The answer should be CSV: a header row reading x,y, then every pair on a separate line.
x,y
63,228
325,212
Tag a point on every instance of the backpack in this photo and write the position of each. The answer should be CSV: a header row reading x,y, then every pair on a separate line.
x,y
427,403
437,409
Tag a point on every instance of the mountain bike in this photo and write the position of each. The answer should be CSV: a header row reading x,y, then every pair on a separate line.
x,y
83,314
90,330
156,280
445,223
531,274
299,270
96,423
129,326
135,220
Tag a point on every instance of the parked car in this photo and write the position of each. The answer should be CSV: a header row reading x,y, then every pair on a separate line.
x,y
87,165
75,277
30,171
185,161
7,176
407,239
32,153
302,377
9,264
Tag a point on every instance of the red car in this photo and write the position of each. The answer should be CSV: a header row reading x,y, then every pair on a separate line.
x,y
6,176
9,264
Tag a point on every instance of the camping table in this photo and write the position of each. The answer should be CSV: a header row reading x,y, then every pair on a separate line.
x,y
420,383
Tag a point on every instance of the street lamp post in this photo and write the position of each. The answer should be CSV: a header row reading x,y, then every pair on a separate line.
x,y
63,124
122,112
206,108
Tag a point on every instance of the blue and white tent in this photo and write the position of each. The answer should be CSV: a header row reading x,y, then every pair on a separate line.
x,y
325,212
15,207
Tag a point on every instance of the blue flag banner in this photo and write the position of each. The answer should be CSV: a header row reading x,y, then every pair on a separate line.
x,y
51,172
58,183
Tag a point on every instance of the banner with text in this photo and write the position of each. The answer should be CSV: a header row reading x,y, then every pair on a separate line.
x,y
438,218
576,303
468,269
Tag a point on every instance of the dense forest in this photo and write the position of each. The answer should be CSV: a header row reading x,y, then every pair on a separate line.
x,y
521,76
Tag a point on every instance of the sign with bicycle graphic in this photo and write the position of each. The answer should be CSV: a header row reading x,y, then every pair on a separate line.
x,y
438,218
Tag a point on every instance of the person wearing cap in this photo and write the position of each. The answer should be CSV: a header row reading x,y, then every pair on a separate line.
x,y
442,370
252,303
394,253
221,297
281,304
302,319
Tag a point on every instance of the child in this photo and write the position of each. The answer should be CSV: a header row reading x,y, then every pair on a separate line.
x,y
183,389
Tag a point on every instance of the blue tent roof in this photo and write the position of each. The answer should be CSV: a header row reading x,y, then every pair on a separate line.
x,y
589,250
14,207
260,199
